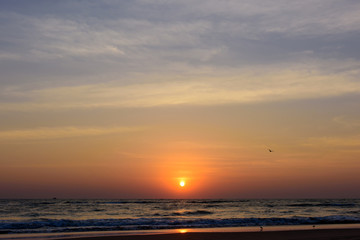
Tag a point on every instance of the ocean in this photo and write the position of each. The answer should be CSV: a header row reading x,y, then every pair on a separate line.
x,y
64,216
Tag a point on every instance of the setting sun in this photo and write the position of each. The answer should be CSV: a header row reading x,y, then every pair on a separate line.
x,y
182,183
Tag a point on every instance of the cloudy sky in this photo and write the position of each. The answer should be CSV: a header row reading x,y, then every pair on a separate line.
x,y
123,99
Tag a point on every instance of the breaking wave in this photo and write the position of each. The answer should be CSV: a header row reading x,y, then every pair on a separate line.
x,y
322,205
66,225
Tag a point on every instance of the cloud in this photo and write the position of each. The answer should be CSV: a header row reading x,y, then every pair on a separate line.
x,y
347,121
56,37
138,33
213,89
61,132
294,18
154,53
335,142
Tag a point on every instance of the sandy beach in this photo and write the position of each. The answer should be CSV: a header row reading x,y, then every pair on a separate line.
x,y
322,234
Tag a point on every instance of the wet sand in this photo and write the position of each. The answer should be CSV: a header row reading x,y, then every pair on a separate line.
x,y
320,234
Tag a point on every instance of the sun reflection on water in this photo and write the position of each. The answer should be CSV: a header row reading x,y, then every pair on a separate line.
x,y
182,230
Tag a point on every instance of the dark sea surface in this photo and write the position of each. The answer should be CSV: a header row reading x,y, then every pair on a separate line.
x,y
62,216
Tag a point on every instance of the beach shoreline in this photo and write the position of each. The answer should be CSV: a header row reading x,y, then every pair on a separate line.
x,y
348,231
317,234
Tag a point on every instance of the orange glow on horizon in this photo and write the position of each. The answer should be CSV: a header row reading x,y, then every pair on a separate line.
x,y
183,176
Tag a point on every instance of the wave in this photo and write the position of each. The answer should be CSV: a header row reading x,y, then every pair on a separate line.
x,y
76,202
192,213
184,213
113,202
137,202
210,201
175,201
66,225
322,205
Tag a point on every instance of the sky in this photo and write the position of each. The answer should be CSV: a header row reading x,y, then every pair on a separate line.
x,y
125,99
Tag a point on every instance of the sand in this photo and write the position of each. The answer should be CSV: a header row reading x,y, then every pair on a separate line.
x,y
320,234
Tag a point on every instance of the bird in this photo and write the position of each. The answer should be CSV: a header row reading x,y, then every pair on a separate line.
x,y
268,148
261,228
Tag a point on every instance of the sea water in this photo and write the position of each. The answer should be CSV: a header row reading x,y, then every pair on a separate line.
x,y
63,216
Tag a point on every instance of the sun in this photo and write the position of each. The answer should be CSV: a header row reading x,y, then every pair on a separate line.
x,y
182,183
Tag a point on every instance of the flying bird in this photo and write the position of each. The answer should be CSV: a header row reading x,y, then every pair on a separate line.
x,y
268,148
